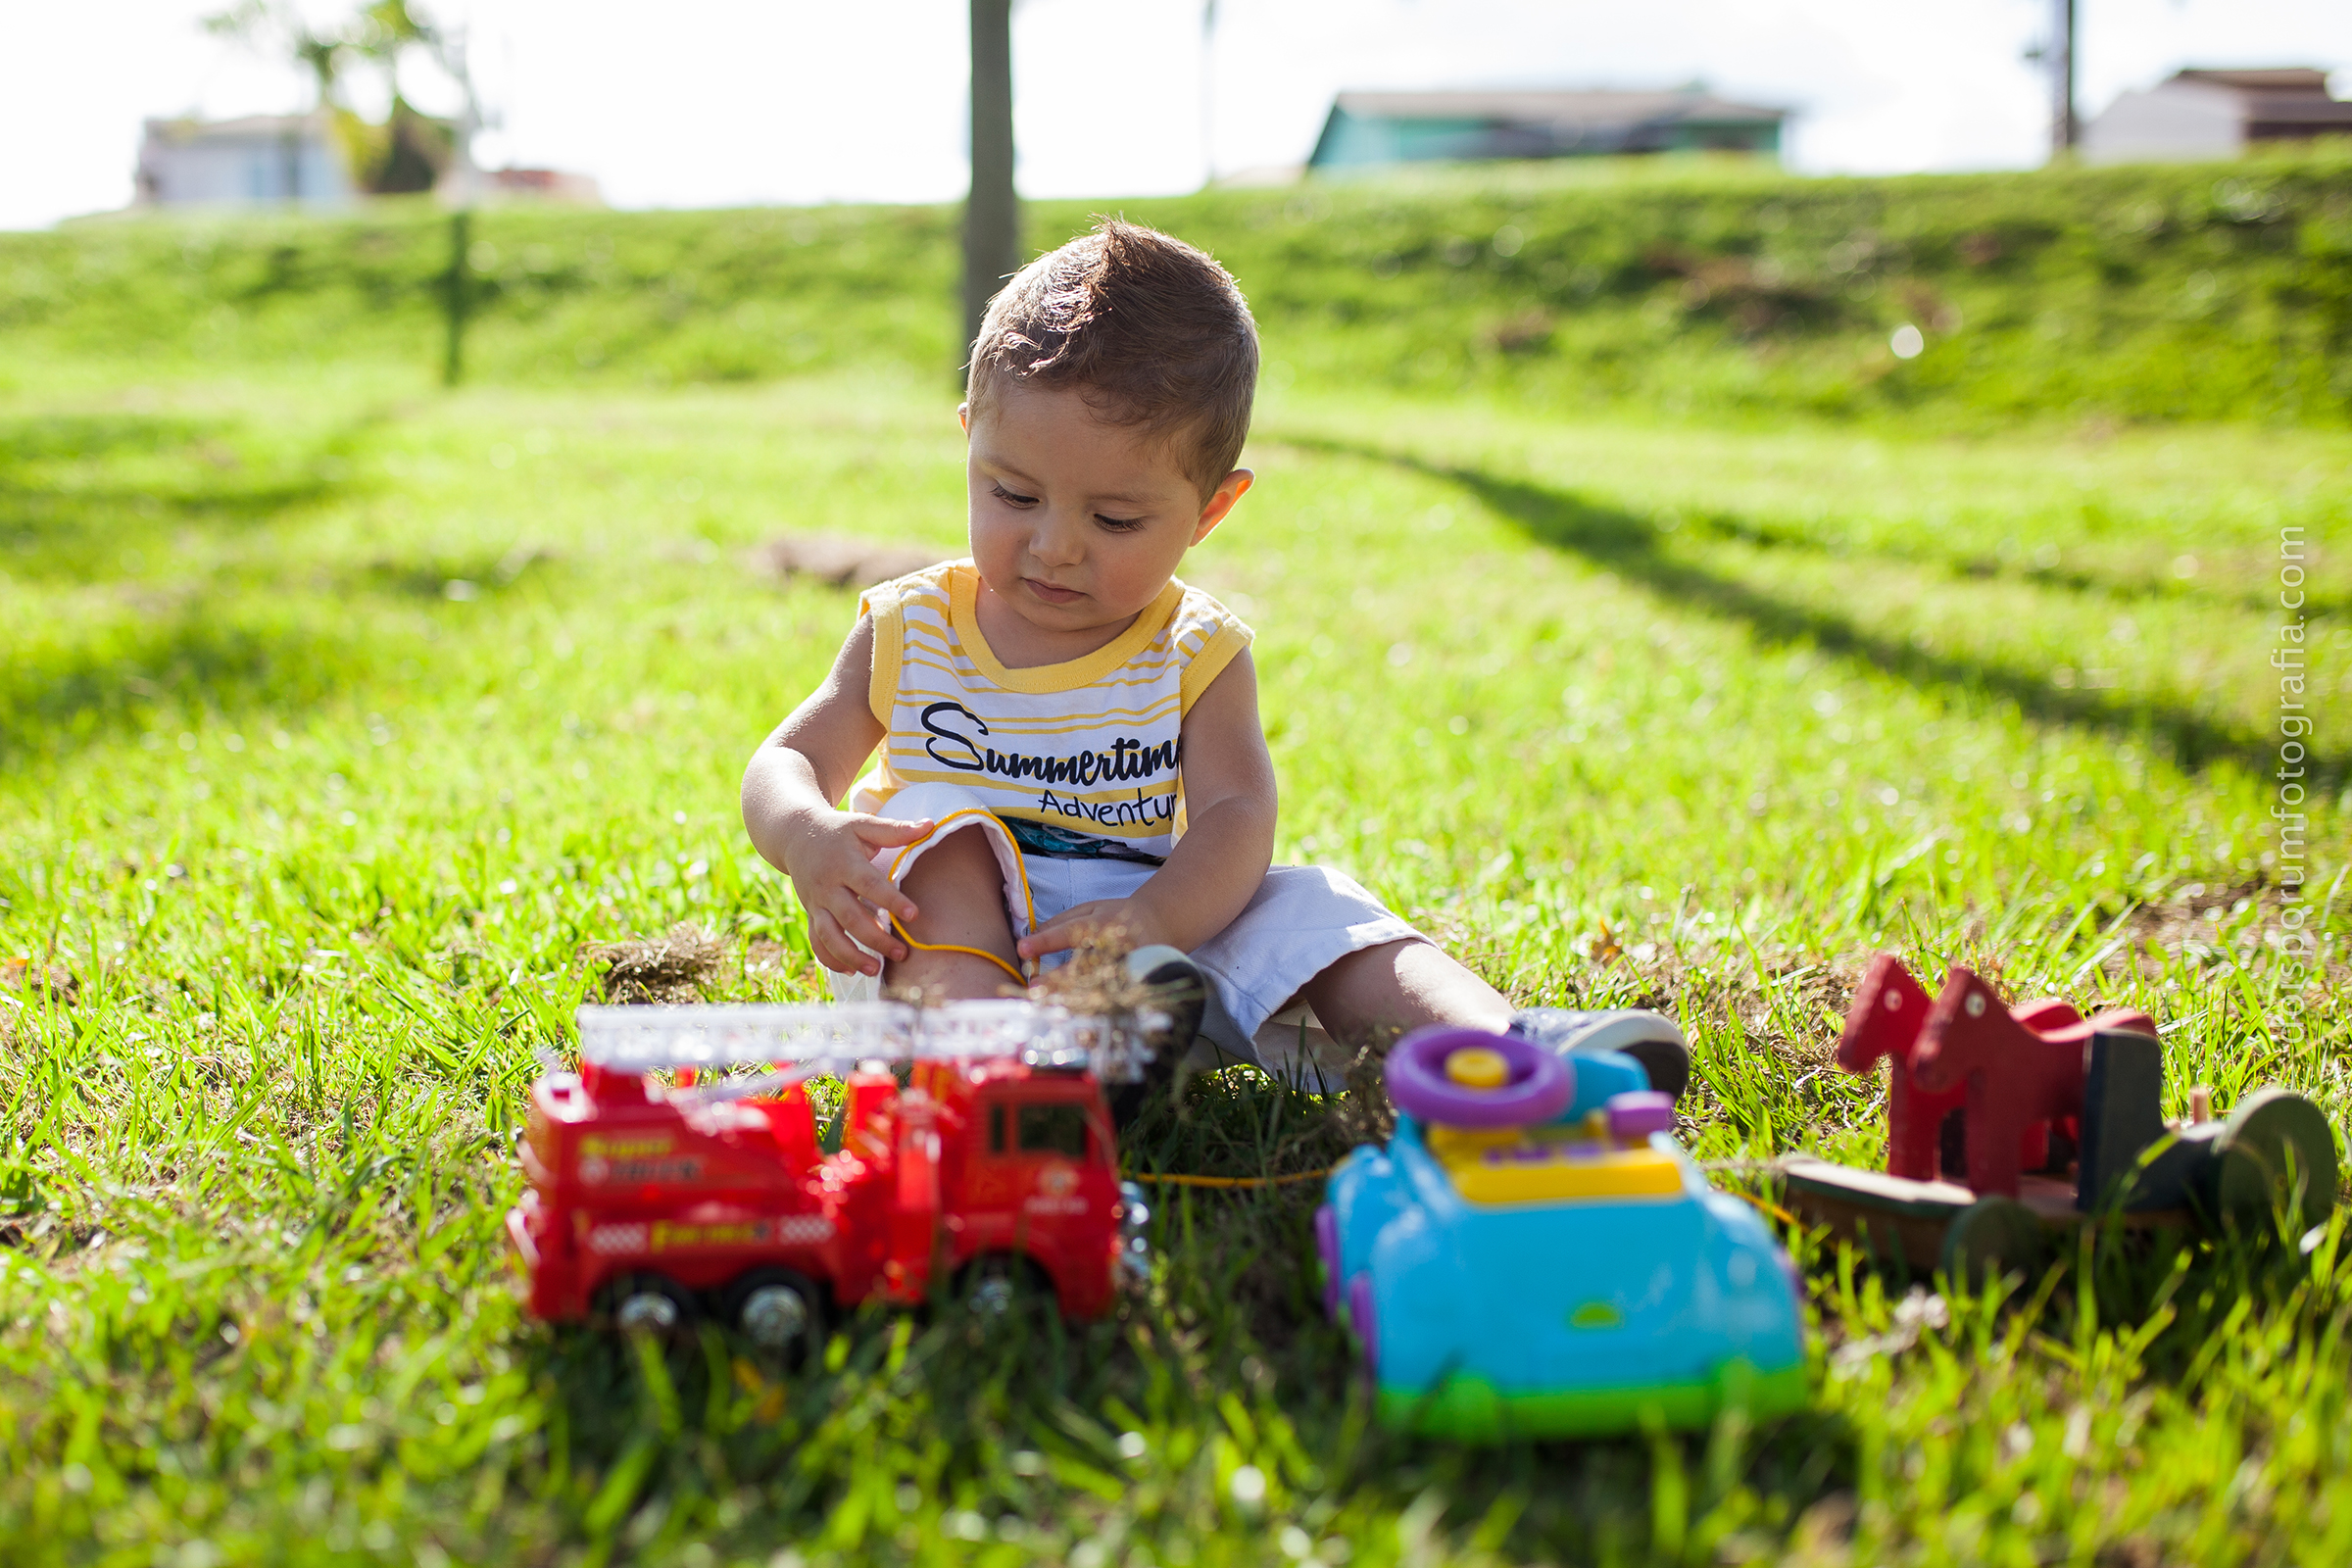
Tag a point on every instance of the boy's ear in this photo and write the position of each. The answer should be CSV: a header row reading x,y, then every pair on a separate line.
x,y
963,416
1231,489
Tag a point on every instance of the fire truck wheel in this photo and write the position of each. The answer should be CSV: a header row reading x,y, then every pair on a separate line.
x,y
997,1286
777,1311
649,1304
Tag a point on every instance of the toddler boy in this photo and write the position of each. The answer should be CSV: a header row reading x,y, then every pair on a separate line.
x,y
1069,734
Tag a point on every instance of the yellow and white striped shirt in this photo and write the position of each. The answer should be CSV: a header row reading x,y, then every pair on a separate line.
x,y
1091,746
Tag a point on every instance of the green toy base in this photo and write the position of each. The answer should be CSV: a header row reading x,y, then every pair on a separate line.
x,y
1472,1409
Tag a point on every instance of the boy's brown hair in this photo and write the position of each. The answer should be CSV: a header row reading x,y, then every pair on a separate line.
x,y
1149,330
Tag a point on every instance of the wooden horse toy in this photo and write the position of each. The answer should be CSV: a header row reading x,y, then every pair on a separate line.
x,y
2013,1069
1889,1009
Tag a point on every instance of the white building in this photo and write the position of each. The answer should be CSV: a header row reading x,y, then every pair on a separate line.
x,y
261,159
2214,114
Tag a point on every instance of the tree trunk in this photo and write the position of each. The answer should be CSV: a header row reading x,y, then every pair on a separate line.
x,y
2062,130
992,214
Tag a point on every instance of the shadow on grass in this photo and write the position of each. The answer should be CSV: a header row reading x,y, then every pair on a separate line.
x,y
906,1427
933,1424
204,652
92,502
1635,548
81,494
221,648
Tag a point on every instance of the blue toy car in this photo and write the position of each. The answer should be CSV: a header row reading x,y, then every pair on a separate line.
x,y
1534,1255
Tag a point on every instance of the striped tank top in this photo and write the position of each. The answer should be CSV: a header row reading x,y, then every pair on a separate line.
x,y
1082,757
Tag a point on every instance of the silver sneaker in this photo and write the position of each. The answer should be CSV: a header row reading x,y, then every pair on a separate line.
x,y
1651,1038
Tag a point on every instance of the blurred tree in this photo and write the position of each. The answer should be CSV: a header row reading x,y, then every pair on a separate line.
x,y
992,211
282,30
410,150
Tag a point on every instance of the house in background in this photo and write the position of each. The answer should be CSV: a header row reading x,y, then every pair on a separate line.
x,y
2214,114
260,159
1367,130
272,160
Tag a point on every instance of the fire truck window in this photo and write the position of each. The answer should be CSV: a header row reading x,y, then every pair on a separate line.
x,y
1054,1129
996,1129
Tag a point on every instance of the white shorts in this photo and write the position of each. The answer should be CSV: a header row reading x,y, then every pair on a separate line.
x,y
1302,919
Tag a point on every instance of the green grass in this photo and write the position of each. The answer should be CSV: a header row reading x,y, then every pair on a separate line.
x,y
336,714
2199,291
319,842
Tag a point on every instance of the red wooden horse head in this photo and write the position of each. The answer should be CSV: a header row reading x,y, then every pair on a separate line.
x,y
1967,1028
2021,1072
1889,1010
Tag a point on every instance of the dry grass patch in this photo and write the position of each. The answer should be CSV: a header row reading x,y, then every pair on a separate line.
x,y
672,967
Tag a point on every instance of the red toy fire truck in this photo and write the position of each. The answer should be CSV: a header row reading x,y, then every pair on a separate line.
x,y
651,1204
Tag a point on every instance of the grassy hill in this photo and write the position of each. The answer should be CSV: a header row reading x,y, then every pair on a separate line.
x,y
2210,291
341,722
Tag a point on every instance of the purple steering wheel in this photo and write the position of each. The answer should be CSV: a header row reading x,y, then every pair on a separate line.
x,y
1540,1085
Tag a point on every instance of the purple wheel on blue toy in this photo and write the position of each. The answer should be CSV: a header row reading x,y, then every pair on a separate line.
x,y
1540,1086
1361,1320
1327,1248
1639,1113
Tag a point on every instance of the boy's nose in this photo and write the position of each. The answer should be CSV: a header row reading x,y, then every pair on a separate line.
x,y
1057,543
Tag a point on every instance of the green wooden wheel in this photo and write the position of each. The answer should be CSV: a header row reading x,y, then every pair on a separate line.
x,y
1994,1237
2274,1150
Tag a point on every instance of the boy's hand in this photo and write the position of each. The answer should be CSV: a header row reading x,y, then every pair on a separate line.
x,y
1131,920
847,900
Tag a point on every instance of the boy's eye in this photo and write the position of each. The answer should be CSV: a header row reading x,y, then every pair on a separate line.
x,y
1014,497
1119,524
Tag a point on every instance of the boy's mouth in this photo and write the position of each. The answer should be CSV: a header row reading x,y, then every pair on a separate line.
x,y
1050,594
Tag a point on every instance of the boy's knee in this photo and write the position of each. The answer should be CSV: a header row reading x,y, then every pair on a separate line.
x,y
959,889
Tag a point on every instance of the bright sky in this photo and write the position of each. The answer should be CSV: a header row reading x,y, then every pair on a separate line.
x,y
711,101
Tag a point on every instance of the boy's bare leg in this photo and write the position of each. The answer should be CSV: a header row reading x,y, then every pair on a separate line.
x,y
1372,996
960,891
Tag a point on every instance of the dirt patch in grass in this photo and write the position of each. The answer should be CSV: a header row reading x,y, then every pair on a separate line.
x,y
2230,922
671,968
24,975
839,561
2199,912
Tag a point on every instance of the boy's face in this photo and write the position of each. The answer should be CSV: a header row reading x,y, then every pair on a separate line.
x,y
1078,523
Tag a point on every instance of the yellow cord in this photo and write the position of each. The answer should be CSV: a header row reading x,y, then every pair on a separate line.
x,y
1231,1181
1018,978
1774,1210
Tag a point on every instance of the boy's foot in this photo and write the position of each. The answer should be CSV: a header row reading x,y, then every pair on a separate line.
x,y
1181,991
1649,1038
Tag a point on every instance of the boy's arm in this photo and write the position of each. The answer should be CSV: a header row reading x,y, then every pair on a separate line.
x,y
789,789
1228,840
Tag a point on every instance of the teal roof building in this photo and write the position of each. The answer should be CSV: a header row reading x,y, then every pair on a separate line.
x,y
1369,130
